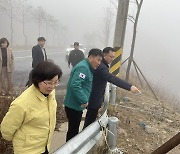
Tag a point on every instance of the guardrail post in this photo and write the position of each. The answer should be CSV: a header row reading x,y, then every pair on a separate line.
x,y
106,97
112,102
112,133
113,95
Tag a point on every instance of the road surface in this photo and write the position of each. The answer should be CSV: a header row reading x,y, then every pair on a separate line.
x,y
23,65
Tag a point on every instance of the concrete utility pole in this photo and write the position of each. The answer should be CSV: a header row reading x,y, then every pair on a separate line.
x,y
121,21
119,36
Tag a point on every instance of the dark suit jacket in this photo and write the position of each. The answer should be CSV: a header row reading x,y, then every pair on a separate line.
x,y
100,78
75,57
37,56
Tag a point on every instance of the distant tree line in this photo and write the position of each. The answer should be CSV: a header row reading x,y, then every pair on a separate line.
x,y
24,13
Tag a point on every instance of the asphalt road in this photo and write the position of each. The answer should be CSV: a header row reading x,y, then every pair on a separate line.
x,y
23,65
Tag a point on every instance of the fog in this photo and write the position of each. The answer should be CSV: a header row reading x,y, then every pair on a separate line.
x,y
157,43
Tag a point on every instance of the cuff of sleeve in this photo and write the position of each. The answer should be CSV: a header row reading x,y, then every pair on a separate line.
x,y
130,87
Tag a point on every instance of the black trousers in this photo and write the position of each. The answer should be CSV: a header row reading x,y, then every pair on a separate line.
x,y
91,116
74,119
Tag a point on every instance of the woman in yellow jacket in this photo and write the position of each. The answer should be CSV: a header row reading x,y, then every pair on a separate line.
x,y
31,118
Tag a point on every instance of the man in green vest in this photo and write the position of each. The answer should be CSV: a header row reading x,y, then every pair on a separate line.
x,y
79,89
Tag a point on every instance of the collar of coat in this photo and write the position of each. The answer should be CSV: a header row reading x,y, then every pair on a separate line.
x,y
40,95
105,63
40,46
90,66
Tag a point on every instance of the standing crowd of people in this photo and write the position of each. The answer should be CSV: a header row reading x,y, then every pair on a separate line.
x,y
31,119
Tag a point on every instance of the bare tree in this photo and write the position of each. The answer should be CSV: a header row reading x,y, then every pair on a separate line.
x,y
115,3
9,8
48,19
54,25
106,29
61,35
135,22
39,17
25,16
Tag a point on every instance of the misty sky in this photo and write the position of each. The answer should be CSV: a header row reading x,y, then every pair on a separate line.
x,y
158,33
80,17
157,48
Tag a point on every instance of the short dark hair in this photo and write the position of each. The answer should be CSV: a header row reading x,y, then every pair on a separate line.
x,y
3,40
108,49
45,71
41,39
95,52
76,43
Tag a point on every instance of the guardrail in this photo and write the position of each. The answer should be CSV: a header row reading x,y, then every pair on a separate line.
x,y
86,139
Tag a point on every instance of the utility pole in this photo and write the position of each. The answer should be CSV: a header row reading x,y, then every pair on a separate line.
x,y
121,21
119,36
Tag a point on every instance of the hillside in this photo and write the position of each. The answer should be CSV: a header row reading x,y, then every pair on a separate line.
x,y
145,124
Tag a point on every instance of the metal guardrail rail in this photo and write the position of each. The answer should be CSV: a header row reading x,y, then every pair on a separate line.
x,y
86,139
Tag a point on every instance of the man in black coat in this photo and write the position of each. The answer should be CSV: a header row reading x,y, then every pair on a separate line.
x,y
100,78
38,56
75,55
39,52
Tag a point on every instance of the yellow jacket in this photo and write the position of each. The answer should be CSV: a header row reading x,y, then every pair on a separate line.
x,y
30,122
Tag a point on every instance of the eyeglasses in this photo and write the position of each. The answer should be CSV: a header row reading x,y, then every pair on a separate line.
x,y
55,84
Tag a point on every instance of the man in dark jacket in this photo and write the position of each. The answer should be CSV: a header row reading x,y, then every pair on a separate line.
x,y
79,89
100,78
39,52
38,56
75,55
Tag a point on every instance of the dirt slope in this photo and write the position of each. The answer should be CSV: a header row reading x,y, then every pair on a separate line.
x,y
145,123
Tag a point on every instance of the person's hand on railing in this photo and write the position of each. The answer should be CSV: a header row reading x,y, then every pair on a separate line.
x,y
84,105
135,90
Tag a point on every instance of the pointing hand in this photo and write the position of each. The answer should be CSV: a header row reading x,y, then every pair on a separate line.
x,y
135,90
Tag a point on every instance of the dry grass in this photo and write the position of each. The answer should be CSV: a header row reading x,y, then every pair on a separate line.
x,y
160,117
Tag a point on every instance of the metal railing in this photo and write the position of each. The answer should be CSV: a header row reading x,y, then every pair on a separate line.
x,y
86,139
